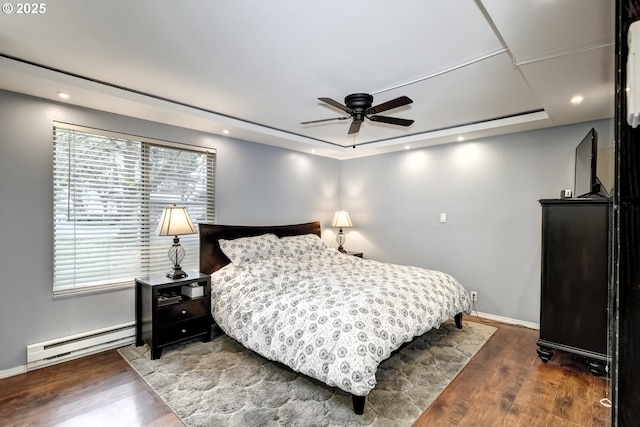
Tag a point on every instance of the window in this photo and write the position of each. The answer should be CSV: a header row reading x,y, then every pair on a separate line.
x,y
108,194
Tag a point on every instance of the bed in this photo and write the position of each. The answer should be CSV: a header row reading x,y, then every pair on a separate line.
x,y
283,293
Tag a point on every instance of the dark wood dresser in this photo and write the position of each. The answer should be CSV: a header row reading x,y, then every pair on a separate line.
x,y
575,271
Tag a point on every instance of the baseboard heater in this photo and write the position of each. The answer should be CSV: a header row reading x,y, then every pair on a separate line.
x,y
62,349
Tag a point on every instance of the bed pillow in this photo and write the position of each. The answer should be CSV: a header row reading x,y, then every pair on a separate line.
x,y
301,244
246,249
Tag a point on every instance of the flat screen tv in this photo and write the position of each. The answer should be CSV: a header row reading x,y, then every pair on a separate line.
x,y
586,180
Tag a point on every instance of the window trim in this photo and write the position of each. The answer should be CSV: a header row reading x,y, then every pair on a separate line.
x,y
120,135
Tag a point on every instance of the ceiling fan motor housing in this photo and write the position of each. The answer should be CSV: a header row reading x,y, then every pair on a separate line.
x,y
359,103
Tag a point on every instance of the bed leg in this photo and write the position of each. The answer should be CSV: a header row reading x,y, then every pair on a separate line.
x,y
358,404
458,319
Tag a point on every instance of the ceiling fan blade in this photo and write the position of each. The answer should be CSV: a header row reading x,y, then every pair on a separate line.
x,y
391,120
335,104
394,103
324,120
355,127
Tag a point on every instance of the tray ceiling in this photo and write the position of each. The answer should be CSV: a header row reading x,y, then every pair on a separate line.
x,y
256,68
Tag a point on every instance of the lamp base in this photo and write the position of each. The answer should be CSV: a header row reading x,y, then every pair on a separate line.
x,y
176,255
340,239
177,273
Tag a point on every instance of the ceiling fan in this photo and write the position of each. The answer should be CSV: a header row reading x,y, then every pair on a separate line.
x,y
358,106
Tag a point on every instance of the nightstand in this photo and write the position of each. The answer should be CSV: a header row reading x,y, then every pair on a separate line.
x,y
165,314
358,254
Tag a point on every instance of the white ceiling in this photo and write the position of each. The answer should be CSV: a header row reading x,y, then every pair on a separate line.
x,y
256,68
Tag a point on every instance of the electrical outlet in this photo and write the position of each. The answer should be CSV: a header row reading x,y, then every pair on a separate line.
x,y
474,296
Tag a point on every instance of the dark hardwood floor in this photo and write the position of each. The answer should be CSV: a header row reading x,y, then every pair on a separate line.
x,y
504,385
97,390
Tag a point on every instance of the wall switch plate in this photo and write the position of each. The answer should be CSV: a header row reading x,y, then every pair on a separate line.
x,y
443,217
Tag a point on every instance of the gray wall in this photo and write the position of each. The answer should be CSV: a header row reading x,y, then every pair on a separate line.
x,y
489,190
254,184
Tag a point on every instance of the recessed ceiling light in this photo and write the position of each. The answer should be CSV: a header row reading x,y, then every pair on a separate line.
x,y
63,95
577,99
407,147
461,138
226,131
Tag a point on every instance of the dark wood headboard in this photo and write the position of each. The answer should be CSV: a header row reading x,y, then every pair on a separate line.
x,y
212,258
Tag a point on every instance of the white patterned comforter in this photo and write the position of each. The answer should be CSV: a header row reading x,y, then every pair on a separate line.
x,y
331,316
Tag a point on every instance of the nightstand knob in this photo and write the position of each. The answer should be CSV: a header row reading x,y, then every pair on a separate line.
x,y
184,311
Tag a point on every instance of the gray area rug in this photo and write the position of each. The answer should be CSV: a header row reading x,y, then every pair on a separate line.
x,y
220,383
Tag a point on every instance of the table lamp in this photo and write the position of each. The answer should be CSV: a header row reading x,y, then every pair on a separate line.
x,y
175,222
341,219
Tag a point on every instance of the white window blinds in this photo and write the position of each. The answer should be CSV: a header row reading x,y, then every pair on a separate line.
x,y
108,193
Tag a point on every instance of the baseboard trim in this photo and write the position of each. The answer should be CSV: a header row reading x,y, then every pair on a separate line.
x,y
507,320
13,371
71,347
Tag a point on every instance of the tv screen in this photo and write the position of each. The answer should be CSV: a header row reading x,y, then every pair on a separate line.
x,y
586,180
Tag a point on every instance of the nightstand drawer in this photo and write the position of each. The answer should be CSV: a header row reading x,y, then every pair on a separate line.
x,y
182,330
181,311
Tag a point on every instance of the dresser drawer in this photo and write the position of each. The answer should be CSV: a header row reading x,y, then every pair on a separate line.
x,y
182,311
182,330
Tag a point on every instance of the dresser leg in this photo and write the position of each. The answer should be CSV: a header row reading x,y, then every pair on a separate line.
x,y
597,367
544,353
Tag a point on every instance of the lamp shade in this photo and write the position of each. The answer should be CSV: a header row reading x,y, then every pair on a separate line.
x,y
341,219
175,221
